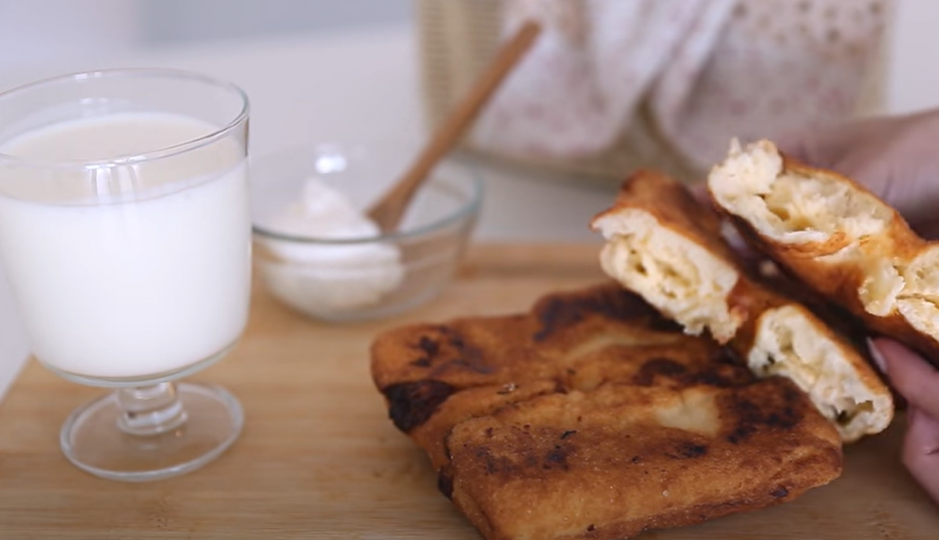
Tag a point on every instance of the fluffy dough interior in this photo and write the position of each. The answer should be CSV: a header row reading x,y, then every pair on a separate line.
x,y
788,343
675,275
790,208
918,300
881,287
911,288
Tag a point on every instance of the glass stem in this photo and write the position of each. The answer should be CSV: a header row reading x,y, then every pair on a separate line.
x,y
150,410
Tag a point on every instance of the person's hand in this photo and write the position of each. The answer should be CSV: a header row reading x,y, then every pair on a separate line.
x,y
895,157
898,159
918,382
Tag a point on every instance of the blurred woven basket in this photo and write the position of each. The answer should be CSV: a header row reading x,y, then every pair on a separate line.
x,y
458,37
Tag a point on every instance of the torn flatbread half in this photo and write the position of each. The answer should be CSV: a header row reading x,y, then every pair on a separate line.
x,y
835,236
665,246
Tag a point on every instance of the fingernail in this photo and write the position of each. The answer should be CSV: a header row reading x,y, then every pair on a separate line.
x,y
878,358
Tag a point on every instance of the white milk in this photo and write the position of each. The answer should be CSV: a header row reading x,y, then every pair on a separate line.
x,y
135,288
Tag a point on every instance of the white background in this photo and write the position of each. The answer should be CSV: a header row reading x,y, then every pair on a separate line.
x,y
325,69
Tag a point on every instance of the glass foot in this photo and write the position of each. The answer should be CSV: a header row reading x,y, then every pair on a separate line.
x,y
152,433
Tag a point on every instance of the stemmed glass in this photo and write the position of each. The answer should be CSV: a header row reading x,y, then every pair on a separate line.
x,y
125,233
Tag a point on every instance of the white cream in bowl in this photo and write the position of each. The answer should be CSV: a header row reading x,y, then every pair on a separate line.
x,y
322,276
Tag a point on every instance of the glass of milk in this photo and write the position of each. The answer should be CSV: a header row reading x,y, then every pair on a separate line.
x,y
126,237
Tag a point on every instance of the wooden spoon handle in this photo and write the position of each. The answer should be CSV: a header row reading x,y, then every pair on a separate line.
x,y
388,211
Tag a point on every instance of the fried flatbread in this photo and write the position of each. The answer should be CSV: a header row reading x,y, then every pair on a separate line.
x,y
594,417
667,247
837,237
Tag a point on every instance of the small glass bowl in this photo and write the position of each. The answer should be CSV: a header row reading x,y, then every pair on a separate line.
x,y
358,277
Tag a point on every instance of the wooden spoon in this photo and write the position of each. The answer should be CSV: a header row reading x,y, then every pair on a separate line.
x,y
388,211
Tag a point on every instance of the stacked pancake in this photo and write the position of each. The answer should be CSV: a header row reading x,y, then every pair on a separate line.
x,y
688,388
594,417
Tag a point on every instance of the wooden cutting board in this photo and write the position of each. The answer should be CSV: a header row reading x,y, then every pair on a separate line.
x,y
318,457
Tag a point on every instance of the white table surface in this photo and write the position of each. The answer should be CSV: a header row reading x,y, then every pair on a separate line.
x,y
349,86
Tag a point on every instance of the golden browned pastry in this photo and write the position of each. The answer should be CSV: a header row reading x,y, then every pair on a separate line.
x,y
593,417
837,237
437,375
667,247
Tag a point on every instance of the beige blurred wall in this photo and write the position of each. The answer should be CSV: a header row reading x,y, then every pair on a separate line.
x,y
913,65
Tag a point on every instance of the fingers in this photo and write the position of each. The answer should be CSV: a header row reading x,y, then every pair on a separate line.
x,y
824,148
918,382
699,190
901,171
921,450
911,375
827,147
892,156
928,228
